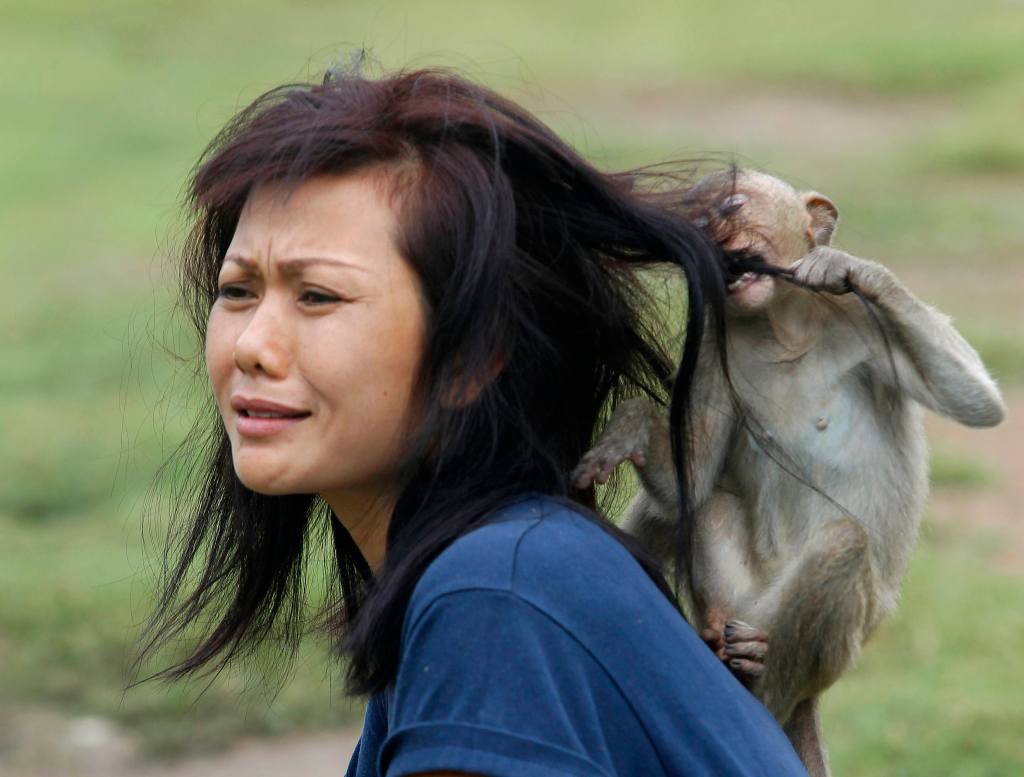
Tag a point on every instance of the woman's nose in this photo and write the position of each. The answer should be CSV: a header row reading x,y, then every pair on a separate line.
x,y
263,346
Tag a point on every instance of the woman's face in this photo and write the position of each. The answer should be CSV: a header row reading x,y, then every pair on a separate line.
x,y
315,339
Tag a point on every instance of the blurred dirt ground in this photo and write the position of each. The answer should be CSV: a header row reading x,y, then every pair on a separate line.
x,y
999,507
49,746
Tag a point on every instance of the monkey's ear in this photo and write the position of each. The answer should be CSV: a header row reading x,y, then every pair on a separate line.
x,y
824,217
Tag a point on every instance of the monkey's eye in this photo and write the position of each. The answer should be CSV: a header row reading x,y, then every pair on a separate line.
x,y
731,204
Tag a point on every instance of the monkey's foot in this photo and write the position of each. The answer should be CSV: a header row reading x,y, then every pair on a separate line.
x,y
745,650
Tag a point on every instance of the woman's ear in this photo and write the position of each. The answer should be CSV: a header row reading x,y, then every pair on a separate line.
x,y
824,217
467,388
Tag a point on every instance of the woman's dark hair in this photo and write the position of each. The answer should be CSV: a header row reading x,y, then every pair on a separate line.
x,y
527,257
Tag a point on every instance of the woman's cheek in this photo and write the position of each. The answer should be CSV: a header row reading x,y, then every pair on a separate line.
x,y
219,358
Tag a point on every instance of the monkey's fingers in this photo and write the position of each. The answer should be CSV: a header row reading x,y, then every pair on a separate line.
x,y
746,671
605,471
581,478
586,471
751,651
738,631
612,459
597,465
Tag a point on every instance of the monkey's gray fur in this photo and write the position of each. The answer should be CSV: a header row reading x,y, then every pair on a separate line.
x,y
809,482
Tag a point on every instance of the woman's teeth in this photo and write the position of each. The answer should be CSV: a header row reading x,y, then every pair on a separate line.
x,y
254,414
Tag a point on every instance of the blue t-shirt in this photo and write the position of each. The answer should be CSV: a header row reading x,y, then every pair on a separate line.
x,y
536,645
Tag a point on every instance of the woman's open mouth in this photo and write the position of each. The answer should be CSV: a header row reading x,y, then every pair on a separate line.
x,y
260,417
261,424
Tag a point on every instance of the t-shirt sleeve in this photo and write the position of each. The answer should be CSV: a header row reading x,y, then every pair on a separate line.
x,y
488,684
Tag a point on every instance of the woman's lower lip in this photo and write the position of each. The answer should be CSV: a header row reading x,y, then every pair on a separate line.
x,y
251,426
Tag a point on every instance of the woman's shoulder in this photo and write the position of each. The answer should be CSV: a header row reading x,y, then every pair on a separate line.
x,y
544,618
548,554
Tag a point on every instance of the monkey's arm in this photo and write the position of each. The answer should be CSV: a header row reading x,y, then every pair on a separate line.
x,y
638,431
711,426
934,364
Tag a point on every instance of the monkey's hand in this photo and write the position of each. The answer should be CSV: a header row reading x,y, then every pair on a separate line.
x,y
745,650
837,272
626,438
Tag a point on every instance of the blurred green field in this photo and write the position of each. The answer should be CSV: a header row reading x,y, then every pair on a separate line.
x,y
908,114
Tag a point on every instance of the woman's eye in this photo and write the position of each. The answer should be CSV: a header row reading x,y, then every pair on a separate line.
x,y
318,297
233,292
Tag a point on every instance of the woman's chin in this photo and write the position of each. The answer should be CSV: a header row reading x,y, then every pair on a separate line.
x,y
267,477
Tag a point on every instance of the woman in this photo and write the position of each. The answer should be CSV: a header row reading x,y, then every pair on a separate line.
x,y
416,303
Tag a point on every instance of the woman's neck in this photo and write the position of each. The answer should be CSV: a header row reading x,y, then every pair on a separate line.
x,y
366,517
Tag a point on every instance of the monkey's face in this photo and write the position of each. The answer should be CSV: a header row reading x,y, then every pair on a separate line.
x,y
755,217
314,342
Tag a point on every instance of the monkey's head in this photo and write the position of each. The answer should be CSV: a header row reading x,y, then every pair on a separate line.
x,y
763,225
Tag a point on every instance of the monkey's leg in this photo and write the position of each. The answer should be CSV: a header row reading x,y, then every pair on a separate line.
x,y
804,731
652,522
725,572
823,614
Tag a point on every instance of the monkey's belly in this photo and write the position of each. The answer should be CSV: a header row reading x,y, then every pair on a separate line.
x,y
788,485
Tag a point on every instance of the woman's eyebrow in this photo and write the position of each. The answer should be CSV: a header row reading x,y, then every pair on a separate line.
x,y
294,265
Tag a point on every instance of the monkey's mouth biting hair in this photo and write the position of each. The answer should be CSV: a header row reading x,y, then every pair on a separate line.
x,y
742,267
719,207
715,207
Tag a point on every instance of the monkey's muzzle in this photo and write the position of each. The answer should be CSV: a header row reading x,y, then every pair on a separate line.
x,y
741,268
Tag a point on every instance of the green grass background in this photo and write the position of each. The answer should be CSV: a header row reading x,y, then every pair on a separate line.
x,y
106,105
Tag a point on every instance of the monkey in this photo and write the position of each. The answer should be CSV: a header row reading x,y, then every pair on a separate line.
x,y
807,454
